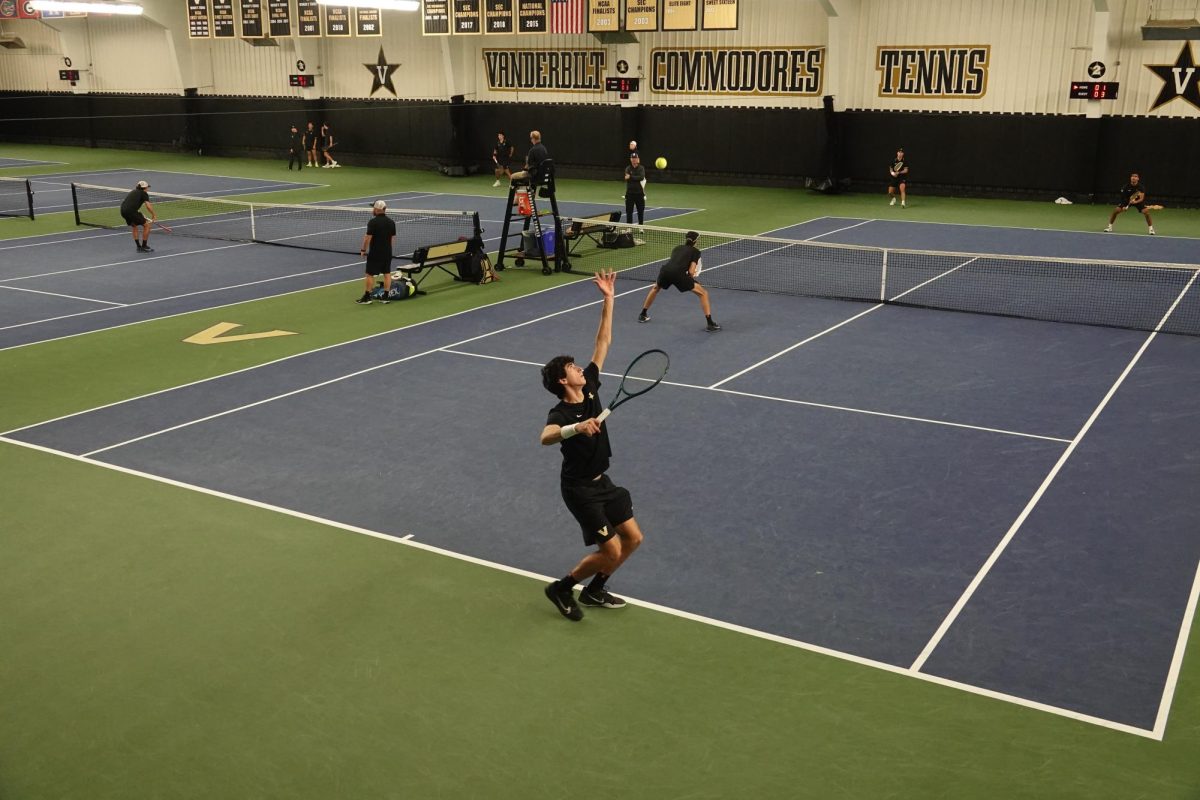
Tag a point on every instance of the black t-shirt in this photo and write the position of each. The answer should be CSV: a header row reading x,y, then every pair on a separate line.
x,y
896,167
297,140
133,201
381,228
633,179
309,138
681,259
584,457
1126,193
503,152
327,137
534,158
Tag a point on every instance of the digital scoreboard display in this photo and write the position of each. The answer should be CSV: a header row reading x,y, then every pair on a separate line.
x,y
622,85
1094,90
303,81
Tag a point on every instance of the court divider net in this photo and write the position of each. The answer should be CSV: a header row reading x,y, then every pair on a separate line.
x,y
332,229
16,198
1116,294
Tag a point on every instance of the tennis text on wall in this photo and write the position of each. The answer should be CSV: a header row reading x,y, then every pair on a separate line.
x,y
790,71
959,71
545,70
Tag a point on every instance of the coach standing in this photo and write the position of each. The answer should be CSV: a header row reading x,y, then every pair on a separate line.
x,y
635,189
131,210
377,247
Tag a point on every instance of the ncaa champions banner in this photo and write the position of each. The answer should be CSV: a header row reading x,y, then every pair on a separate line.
x,y
746,71
933,71
545,70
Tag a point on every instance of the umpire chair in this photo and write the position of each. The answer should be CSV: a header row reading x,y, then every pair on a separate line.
x,y
540,184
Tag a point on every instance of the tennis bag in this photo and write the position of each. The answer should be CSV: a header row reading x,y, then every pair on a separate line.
x,y
617,240
474,266
402,289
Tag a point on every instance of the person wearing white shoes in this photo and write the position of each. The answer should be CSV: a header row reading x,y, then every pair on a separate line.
x,y
502,156
327,144
899,172
1132,195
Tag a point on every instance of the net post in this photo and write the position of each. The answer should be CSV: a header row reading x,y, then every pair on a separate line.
x,y
75,203
883,278
253,230
29,196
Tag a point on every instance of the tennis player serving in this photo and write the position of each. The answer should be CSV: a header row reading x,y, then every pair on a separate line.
x,y
603,510
1134,194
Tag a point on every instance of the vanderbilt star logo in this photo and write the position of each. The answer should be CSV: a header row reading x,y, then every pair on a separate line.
x,y
1181,79
382,71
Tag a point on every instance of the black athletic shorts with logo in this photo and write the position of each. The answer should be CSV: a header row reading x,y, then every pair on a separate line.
x,y
680,280
598,506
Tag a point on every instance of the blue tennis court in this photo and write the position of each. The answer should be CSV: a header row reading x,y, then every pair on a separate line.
x,y
14,163
933,493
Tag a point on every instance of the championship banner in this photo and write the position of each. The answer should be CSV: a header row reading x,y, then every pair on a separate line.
x,y
18,9
933,71
279,18
308,17
755,71
679,15
223,27
468,17
720,15
498,16
602,16
545,70
252,19
199,19
337,21
641,15
368,22
436,17
531,16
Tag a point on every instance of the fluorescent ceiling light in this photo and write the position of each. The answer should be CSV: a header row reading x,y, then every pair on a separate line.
x,y
386,5
88,8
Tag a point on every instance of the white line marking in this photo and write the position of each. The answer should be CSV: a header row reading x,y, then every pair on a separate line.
x,y
836,230
932,644
812,648
137,260
60,294
1185,626
789,400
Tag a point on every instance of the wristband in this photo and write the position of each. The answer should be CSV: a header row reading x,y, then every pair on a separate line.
x,y
567,431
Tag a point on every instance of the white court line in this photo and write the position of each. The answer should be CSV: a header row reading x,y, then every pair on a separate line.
x,y
789,400
1185,627
340,378
836,230
876,307
177,297
142,259
782,640
942,629
61,294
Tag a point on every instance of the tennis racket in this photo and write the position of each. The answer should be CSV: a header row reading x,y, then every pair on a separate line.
x,y
1136,198
163,228
699,267
1154,208
643,374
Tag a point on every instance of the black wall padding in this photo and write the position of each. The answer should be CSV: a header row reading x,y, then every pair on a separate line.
x,y
1015,155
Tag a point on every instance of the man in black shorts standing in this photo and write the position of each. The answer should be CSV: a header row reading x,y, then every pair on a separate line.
x,y
635,189
310,144
1133,195
377,247
327,144
502,156
131,210
604,510
680,271
899,172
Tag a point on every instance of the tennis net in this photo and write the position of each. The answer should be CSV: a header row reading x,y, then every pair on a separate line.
x,y
16,198
333,229
1141,296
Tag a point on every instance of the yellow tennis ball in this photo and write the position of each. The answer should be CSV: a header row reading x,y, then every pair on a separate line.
x,y
660,162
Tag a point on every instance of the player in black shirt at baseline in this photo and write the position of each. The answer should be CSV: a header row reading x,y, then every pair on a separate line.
x,y
1133,195
604,511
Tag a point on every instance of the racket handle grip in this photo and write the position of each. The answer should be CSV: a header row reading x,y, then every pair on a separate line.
x,y
603,415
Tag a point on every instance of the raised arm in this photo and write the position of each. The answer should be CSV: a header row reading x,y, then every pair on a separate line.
x,y
605,281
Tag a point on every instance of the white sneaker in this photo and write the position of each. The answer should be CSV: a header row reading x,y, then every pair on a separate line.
x,y
494,185
903,204
893,202
1108,229
1151,230
335,164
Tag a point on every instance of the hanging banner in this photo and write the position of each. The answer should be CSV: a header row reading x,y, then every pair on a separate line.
x,y
308,18
199,19
679,15
777,71
602,16
720,15
252,19
368,22
545,70
468,17
498,16
223,27
641,15
337,21
435,16
531,16
279,18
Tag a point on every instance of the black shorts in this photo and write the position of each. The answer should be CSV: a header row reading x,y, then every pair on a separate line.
x,y
377,267
1139,206
598,506
680,280
136,218
896,182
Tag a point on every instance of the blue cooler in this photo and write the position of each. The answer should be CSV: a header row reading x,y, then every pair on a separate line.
x,y
548,241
